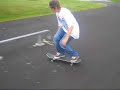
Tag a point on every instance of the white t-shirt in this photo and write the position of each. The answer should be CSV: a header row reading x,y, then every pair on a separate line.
x,y
65,20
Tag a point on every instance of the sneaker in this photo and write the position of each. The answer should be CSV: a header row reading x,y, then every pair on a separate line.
x,y
58,55
74,58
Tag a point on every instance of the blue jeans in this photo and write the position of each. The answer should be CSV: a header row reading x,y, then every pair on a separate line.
x,y
58,37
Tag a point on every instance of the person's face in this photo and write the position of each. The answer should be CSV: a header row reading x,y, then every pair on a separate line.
x,y
55,9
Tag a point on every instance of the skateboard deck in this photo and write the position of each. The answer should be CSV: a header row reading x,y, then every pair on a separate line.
x,y
66,59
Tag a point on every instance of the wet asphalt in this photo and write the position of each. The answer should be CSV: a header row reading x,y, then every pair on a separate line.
x,y
26,67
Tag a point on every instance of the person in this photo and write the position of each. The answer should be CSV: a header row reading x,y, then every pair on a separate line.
x,y
68,30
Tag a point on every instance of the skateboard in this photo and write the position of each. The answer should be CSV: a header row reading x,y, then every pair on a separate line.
x,y
66,59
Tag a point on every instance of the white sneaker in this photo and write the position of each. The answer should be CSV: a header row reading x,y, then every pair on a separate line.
x,y
58,55
74,58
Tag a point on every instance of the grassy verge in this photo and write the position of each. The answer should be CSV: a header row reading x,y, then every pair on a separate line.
x,y
115,0
17,9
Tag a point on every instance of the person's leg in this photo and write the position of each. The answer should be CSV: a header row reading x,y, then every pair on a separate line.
x,y
68,49
57,37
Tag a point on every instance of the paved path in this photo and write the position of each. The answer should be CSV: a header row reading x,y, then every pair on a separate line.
x,y
27,67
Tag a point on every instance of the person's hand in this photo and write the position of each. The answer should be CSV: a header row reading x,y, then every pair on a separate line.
x,y
64,41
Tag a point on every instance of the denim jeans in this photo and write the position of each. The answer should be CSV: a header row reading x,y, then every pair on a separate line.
x,y
58,37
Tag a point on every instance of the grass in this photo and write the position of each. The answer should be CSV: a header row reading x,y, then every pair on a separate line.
x,y
17,9
115,0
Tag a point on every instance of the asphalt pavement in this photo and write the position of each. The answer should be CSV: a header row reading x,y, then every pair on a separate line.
x,y
26,67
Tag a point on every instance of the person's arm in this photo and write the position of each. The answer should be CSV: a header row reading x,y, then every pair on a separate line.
x,y
69,21
64,41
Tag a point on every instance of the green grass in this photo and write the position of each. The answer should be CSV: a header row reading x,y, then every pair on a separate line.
x,y
115,0
17,9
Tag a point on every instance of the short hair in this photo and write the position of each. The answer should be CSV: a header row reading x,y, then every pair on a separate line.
x,y
54,3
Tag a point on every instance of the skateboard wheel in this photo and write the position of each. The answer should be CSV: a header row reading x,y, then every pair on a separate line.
x,y
52,60
71,64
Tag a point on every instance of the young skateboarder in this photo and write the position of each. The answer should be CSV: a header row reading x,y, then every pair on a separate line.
x,y
68,30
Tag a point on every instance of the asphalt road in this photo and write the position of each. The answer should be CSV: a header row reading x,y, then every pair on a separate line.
x,y
26,67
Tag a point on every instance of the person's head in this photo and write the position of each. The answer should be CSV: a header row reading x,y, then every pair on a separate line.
x,y
54,5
